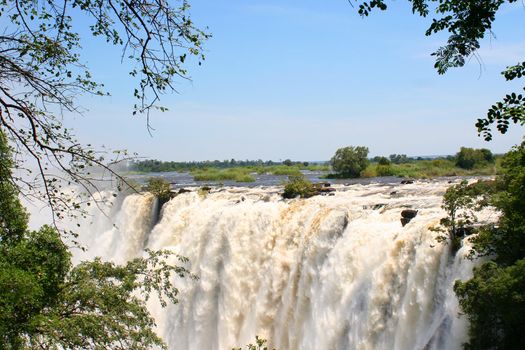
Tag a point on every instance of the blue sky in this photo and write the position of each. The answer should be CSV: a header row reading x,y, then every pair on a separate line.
x,y
299,79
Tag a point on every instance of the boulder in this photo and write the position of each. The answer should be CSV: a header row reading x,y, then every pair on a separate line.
x,y
405,221
407,215
325,189
407,182
183,190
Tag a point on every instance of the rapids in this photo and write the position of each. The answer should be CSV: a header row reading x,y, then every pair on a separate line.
x,y
328,272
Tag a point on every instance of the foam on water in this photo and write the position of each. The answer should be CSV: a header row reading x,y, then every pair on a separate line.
x,y
328,272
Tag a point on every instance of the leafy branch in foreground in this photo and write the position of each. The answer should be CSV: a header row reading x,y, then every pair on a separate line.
x,y
42,73
47,303
467,23
494,298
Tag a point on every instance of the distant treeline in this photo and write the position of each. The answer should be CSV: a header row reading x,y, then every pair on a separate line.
x,y
157,166
466,158
403,158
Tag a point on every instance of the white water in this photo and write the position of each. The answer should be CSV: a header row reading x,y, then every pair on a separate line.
x,y
328,272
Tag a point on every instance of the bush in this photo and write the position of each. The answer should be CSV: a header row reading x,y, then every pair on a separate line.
x,y
350,161
159,187
298,186
384,170
468,158
288,162
399,158
232,174
381,160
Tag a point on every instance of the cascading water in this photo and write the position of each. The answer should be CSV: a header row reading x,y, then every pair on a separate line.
x,y
328,272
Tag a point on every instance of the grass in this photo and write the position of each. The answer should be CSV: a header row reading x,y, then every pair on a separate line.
x,y
424,169
420,169
244,174
232,174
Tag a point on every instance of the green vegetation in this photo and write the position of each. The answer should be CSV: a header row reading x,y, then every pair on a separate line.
x,y
42,54
461,202
47,303
425,169
234,174
257,166
245,174
494,299
470,158
259,345
395,165
349,162
299,186
159,187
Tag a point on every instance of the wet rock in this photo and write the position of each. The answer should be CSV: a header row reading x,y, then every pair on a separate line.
x,y
407,215
183,190
393,193
407,182
325,189
378,206
206,188
405,221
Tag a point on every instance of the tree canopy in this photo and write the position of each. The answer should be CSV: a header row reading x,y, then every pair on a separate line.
x,y
46,303
350,161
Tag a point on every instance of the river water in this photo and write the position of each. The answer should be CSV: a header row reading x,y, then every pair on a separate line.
x,y
184,179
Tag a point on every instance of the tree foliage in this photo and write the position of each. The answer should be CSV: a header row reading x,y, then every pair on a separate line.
x,y
46,303
461,202
159,187
466,24
494,299
468,158
42,72
260,344
350,161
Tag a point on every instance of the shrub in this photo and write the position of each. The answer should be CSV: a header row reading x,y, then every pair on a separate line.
x,y
399,158
350,161
384,170
298,186
159,187
382,160
468,158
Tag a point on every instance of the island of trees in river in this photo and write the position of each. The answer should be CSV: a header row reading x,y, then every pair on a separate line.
x,y
348,162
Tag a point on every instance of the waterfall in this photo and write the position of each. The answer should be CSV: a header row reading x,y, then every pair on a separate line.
x,y
328,272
